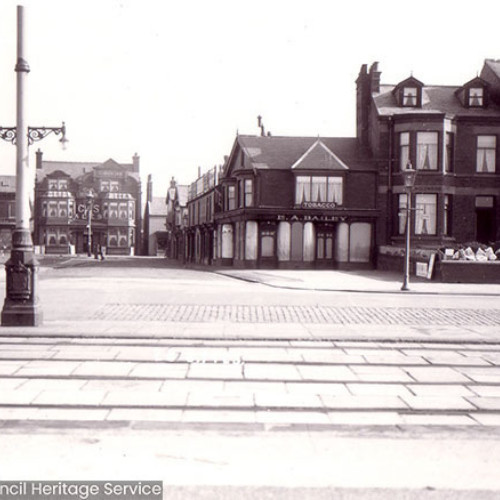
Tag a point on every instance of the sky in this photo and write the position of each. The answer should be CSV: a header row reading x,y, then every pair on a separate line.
x,y
175,81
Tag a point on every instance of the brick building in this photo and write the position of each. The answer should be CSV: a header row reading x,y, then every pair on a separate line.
x,y
287,202
451,136
202,233
176,221
7,210
78,202
155,213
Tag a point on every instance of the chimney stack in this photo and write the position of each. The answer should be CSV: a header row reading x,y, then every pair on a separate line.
x,y
39,155
135,162
149,189
374,78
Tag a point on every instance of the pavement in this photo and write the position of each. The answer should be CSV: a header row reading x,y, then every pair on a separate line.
x,y
255,378
369,281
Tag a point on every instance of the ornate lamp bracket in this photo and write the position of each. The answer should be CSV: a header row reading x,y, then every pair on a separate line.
x,y
8,134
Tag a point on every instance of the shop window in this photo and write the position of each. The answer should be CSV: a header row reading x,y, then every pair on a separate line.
x,y
318,189
427,150
360,242
425,214
297,237
51,238
486,154
476,97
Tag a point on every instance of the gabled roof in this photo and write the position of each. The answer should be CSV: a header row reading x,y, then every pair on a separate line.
x,y
110,165
411,81
494,68
283,153
318,156
77,169
437,99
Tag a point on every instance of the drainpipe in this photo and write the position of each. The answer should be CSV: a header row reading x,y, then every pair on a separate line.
x,y
389,179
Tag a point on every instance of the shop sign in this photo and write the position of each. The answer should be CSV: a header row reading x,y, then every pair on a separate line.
x,y
318,204
82,212
312,218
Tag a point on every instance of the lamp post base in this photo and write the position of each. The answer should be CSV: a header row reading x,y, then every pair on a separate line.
x,y
21,306
15,314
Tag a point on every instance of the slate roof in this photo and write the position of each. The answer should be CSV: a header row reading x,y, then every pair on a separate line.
x,y
282,153
77,169
494,65
435,99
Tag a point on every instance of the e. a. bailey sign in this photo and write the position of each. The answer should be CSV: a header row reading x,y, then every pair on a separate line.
x,y
311,218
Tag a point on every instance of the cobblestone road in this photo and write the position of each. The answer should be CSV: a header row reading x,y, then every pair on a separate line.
x,y
299,314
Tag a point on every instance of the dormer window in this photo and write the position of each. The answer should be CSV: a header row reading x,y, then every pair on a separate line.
x,y
410,96
408,93
474,94
476,97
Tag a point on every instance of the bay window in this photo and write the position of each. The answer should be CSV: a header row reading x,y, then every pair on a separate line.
x,y
404,149
318,189
425,214
427,150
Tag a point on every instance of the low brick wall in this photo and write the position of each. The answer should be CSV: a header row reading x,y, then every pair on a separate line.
x,y
463,271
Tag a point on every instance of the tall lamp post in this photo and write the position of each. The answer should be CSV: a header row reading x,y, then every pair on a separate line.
x,y
21,306
409,175
90,203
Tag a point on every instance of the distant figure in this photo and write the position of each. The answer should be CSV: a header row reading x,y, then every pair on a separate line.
x,y
98,253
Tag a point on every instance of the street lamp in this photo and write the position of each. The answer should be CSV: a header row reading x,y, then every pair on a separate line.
x,y
21,306
409,175
90,202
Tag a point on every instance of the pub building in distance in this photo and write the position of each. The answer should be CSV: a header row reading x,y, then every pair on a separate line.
x,y
323,202
75,198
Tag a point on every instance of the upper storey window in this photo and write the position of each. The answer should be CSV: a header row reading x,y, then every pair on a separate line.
x,y
58,184
476,97
486,154
474,94
410,96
